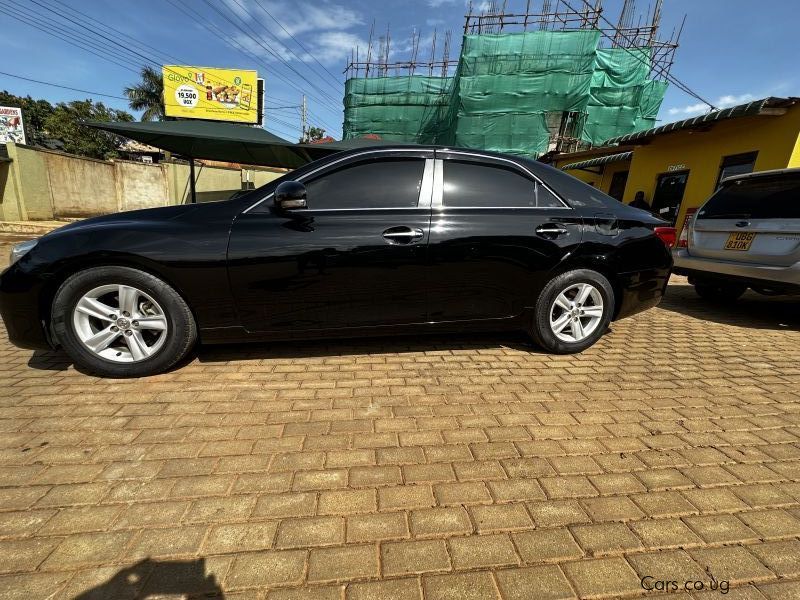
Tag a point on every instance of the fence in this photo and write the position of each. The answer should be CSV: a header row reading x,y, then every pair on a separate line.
x,y
44,185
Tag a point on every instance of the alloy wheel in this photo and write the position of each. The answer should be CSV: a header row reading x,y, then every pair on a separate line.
x,y
576,312
120,323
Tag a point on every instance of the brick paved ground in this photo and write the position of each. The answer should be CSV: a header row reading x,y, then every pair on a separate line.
x,y
451,467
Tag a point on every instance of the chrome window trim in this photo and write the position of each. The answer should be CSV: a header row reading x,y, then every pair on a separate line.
x,y
438,185
514,164
349,156
426,187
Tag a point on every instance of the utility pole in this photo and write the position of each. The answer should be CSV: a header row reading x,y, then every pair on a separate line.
x,y
304,121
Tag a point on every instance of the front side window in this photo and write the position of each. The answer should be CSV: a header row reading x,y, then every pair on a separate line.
x,y
384,183
470,185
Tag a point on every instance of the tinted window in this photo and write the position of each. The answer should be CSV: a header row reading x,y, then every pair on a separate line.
x,y
738,164
468,184
390,183
757,198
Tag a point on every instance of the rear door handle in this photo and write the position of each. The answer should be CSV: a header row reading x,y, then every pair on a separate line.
x,y
403,235
551,230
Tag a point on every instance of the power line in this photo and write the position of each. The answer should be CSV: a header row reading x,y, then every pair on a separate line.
x,y
267,49
65,87
220,34
299,43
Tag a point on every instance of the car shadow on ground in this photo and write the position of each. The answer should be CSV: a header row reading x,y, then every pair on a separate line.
x,y
153,578
753,310
398,344
56,360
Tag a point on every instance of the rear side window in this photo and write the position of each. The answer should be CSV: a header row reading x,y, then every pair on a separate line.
x,y
388,183
757,198
470,185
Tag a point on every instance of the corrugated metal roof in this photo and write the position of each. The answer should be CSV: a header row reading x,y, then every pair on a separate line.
x,y
601,160
750,109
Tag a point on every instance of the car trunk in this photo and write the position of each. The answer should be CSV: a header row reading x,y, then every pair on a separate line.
x,y
751,220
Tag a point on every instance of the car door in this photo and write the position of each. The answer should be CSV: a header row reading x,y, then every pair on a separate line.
x,y
355,257
496,234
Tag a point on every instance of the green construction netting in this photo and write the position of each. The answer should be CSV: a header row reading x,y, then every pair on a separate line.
x,y
402,109
511,92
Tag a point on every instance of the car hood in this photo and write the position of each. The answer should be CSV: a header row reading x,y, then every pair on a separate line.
x,y
133,217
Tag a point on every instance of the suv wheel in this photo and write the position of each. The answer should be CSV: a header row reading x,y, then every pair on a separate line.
x,y
721,292
573,311
122,322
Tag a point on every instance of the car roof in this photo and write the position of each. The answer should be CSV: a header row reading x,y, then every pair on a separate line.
x,y
757,174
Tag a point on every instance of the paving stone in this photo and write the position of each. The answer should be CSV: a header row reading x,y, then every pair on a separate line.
x,y
482,551
602,577
408,589
546,582
547,545
461,586
440,521
419,556
343,563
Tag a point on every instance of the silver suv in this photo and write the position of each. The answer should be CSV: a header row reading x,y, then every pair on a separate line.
x,y
747,235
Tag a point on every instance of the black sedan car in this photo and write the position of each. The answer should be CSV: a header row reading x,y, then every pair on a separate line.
x,y
379,241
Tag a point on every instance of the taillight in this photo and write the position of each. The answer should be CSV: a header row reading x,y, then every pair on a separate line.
x,y
683,240
666,235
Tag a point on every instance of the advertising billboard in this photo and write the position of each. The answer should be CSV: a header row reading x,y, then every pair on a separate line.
x,y
11,125
210,93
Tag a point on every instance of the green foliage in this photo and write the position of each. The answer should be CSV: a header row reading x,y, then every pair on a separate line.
x,y
64,124
315,133
34,113
148,95
45,122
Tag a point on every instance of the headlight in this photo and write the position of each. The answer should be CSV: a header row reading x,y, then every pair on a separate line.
x,y
21,249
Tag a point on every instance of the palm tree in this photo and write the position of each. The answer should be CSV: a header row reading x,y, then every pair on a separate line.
x,y
148,95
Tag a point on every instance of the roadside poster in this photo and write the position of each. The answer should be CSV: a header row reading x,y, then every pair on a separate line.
x,y
210,93
11,125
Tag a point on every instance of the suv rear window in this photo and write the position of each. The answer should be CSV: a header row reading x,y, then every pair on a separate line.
x,y
757,198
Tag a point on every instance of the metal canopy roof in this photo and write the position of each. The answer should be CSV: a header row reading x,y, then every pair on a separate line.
x,y
216,141
600,160
766,106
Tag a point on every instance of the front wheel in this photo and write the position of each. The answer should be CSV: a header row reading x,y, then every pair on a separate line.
x,y
573,311
122,322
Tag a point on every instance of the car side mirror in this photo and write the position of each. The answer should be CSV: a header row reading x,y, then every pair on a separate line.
x,y
290,195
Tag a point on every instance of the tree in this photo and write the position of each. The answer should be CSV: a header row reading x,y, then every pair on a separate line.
x,y
34,113
313,134
64,123
148,95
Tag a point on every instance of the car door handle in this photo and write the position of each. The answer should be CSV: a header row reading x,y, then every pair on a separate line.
x,y
551,229
403,235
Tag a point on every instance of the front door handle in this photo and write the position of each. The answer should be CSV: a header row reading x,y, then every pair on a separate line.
x,y
551,230
403,235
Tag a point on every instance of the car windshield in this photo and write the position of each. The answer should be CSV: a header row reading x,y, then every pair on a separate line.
x,y
757,198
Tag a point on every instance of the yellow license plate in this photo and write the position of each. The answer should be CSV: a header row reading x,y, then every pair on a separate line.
x,y
740,241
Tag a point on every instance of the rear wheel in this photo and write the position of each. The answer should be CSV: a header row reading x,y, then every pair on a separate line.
x,y
573,311
721,292
122,322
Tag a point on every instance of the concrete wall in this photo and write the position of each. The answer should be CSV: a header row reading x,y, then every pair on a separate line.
x,y
44,185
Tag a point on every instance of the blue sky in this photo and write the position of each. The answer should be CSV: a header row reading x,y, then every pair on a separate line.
x,y
731,51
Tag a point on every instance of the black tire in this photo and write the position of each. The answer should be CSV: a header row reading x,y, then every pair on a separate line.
x,y
720,292
540,329
181,333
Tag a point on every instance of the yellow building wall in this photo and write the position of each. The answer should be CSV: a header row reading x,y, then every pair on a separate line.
x,y
602,179
775,138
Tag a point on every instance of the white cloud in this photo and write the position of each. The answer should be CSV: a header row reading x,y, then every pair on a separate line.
x,y
699,108
438,3
320,26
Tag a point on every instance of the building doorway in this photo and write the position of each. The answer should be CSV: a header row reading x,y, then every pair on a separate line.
x,y
669,195
617,187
